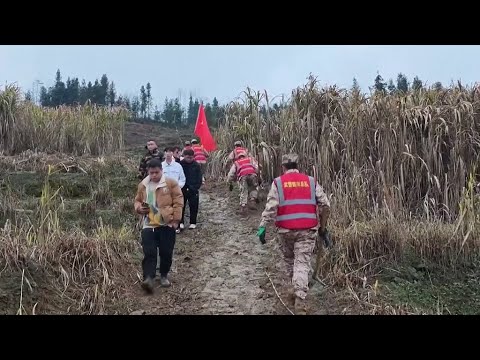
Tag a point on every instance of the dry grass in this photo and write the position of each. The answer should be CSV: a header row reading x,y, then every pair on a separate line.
x,y
399,169
84,271
89,129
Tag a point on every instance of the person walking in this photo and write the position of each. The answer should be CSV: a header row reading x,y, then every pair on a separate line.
x,y
193,175
160,201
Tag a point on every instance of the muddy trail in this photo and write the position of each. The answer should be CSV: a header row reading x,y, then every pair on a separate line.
x,y
220,267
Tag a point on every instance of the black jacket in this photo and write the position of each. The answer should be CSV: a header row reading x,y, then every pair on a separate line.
x,y
193,175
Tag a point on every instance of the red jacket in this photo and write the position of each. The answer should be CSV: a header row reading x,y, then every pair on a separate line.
x,y
297,209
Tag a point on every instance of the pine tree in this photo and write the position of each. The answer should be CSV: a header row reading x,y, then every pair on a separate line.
x,y
149,99
417,84
391,87
402,83
380,85
143,101
111,94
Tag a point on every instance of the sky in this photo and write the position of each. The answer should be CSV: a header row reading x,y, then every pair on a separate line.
x,y
224,71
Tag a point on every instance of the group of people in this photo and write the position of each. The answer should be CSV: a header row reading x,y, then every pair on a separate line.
x,y
296,203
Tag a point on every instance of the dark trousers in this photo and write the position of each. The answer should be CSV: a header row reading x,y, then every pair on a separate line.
x,y
163,239
192,197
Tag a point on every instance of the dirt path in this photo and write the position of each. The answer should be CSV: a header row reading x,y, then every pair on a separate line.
x,y
219,268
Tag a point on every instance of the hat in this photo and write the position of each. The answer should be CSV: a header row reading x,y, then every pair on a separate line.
x,y
187,143
194,141
238,143
289,158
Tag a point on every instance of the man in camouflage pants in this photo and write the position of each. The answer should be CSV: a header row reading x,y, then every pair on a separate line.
x,y
152,153
292,202
245,171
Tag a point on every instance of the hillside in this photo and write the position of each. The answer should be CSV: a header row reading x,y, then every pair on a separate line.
x,y
404,219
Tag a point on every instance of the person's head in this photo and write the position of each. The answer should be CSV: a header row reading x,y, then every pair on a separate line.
x,y
188,156
169,153
194,142
238,144
188,143
155,171
176,152
289,162
151,145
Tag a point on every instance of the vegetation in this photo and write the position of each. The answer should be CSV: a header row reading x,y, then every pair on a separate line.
x,y
400,165
400,168
88,129
141,107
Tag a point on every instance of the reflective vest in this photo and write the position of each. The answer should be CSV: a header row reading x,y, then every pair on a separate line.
x,y
238,150
297,208
199,154
244,167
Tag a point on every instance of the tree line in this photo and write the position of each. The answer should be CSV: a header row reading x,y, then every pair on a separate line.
x,y
173,113
141,106
401,85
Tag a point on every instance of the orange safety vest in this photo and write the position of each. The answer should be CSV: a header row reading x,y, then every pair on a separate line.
x,y
199,154
297,209
244,167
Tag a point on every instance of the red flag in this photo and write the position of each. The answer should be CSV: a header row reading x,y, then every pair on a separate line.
x,y
203,132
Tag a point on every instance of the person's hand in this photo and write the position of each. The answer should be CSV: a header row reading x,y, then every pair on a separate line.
x,y
143,210
261,234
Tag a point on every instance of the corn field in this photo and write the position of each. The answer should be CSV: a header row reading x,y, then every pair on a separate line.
x,y
401,155
89,129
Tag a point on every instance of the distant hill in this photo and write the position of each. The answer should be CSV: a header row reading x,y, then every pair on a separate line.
x,y
137,134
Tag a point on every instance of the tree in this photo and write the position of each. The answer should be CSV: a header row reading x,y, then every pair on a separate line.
x,y
417,84
102,93
208,112
45,97
391,87
135,107
97,96
190,111
57,94
177,112
157,116
143,101
402,83
28,96
149,99
380,85
168,112
438,86
215,112
355,86
72,92
83,96
111,94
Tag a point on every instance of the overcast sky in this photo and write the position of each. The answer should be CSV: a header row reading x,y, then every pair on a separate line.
x,y
225,71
